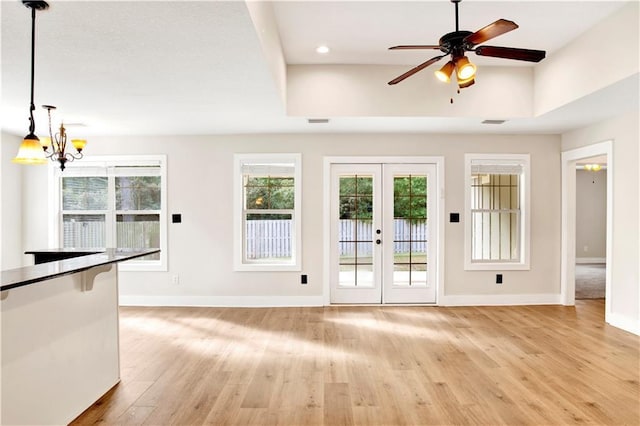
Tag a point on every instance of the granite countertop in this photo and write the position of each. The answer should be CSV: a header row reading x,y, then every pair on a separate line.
x,y
69,250
26,275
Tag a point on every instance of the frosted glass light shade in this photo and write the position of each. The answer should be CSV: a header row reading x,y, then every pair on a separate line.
x,y
466,69
79,144
30,151
444,73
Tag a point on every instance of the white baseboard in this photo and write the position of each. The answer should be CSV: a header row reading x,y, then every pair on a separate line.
x,y
581,260
296,301
500,299
222,301
625,323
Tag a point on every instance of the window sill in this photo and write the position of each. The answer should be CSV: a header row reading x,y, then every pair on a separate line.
x,y
263,267
496,266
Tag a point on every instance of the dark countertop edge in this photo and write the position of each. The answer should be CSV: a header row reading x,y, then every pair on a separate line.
x,y
83,252
72,266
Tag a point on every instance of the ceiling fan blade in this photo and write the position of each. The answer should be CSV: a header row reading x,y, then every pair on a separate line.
x,y
495,29
511,53
414,70
415,46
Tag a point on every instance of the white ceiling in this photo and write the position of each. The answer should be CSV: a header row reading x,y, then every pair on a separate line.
x,y
360,32
197,67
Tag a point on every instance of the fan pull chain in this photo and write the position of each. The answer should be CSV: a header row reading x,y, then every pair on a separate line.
x,y
458,91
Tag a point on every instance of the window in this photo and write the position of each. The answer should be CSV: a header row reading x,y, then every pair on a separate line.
x,y
497,211
114,202
267,212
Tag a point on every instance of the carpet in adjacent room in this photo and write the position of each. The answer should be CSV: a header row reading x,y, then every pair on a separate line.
x,y
590,281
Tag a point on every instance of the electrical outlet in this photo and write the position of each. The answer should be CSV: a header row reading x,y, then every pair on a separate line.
x,y
175,279
585,248
303,279
498,278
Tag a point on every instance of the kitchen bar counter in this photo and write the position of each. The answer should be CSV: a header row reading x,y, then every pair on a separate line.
x,y
50,255
26,275
60,338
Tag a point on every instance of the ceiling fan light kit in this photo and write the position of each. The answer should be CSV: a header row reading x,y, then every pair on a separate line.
x,y
463,84
444,73
458,42
464,68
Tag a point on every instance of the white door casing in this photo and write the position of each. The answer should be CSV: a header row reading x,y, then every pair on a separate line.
x,y
404,266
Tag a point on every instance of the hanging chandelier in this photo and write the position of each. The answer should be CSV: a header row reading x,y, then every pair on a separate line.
x,y
58,144
32,150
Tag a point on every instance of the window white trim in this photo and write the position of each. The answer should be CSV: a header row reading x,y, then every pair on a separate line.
x,y
88,167
500,160
266,162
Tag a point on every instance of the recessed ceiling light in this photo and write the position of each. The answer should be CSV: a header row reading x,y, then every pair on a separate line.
x,y
493,121
317,120
322,49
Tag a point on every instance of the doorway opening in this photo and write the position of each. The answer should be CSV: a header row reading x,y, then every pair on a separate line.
x,y
591,227
570,161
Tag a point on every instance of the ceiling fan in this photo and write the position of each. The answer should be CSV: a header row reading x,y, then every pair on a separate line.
x,y
458,42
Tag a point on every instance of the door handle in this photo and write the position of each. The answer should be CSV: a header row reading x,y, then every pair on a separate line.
x,y
378,241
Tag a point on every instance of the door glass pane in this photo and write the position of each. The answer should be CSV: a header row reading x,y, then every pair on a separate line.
x,y
364,276
410,230
355,239
347,275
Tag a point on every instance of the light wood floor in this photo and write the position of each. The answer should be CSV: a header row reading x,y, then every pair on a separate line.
x,y
538,365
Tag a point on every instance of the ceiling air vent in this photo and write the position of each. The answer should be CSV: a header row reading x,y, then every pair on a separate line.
x,y
317,120
493,121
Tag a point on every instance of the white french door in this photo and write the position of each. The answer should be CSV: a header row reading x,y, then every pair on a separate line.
x,y
383,231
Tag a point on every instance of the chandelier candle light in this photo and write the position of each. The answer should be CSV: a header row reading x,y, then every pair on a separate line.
x,y
58,143
32,150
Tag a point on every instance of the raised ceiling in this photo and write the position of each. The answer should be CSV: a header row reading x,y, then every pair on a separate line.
x,y
359,32
197,67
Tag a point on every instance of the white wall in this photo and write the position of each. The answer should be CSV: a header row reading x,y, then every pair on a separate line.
x,y
200,188
361,91
623,169
264,20
11,206
591,214
600,57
